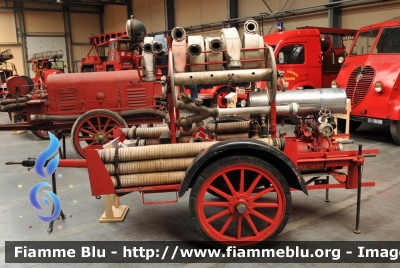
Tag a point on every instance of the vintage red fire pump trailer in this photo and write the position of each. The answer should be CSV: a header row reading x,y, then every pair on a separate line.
x,y
241,173
370,75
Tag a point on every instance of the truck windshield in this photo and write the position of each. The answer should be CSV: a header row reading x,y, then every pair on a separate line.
x,y
389,42
364,42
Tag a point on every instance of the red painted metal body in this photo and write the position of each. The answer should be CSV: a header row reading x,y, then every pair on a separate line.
x,y
369,63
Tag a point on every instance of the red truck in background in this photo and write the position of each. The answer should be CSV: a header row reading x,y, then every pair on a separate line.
x,y
307,56
113,52
45,63
7,69
371,76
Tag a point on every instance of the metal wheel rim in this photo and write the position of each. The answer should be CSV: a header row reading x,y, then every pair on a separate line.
x,y
230,202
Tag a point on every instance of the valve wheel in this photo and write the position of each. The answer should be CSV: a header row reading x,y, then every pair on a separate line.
x,y
254,201
94,128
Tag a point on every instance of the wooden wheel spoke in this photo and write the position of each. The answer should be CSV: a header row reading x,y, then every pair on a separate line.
x,y
263,192
106,124
265,205
221,193
251,223
84,138
253,185
228,182
261,216
87,131
239,230
241,184
92,126
218,215
216,204
109,131
98,123
226,225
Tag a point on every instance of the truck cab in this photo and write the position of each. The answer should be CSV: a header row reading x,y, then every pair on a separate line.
x,y
307,56
121,55
370,75
112,52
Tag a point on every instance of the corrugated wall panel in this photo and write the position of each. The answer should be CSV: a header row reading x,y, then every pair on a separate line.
x,y
355,18
200,12
43,22
83,26
151,13
17,60
80,52
7,27
114,18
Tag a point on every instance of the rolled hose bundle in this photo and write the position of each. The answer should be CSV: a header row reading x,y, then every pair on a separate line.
x,y
148,59
179,48
170,171
160,48
195,49
215,45
230,39
155,132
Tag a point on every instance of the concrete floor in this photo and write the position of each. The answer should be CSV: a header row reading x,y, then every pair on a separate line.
x,y
312,219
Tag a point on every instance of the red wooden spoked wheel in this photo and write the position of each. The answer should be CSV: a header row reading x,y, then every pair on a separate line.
x,y
94,128
254,204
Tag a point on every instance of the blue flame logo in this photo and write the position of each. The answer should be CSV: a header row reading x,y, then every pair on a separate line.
x,y
45,172
45,155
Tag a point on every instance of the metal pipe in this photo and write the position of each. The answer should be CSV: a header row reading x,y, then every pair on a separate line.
x,y
216,45
47,118
222,77
357,230
309,100
9,101
11,106
290,109
146,111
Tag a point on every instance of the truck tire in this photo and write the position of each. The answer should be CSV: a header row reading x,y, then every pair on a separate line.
x,y
395,131
255,206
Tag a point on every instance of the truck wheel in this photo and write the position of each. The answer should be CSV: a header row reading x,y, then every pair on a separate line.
x,y
354,125
395,131
219,98
248,214
98,125
41,134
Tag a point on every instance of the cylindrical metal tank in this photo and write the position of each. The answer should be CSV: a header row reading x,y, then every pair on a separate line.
x,y
309,100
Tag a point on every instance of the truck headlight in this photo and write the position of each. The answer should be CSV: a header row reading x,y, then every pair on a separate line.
x,y
334,83
341,60
378,86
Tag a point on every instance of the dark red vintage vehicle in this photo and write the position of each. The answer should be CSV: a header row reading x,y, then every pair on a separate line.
x,y
371,76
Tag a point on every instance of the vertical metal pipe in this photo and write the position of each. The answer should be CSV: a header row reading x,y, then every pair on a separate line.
x,y
327,190
357,230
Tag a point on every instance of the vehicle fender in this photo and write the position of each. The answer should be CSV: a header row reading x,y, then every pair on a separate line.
x,y
242,146
394,109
